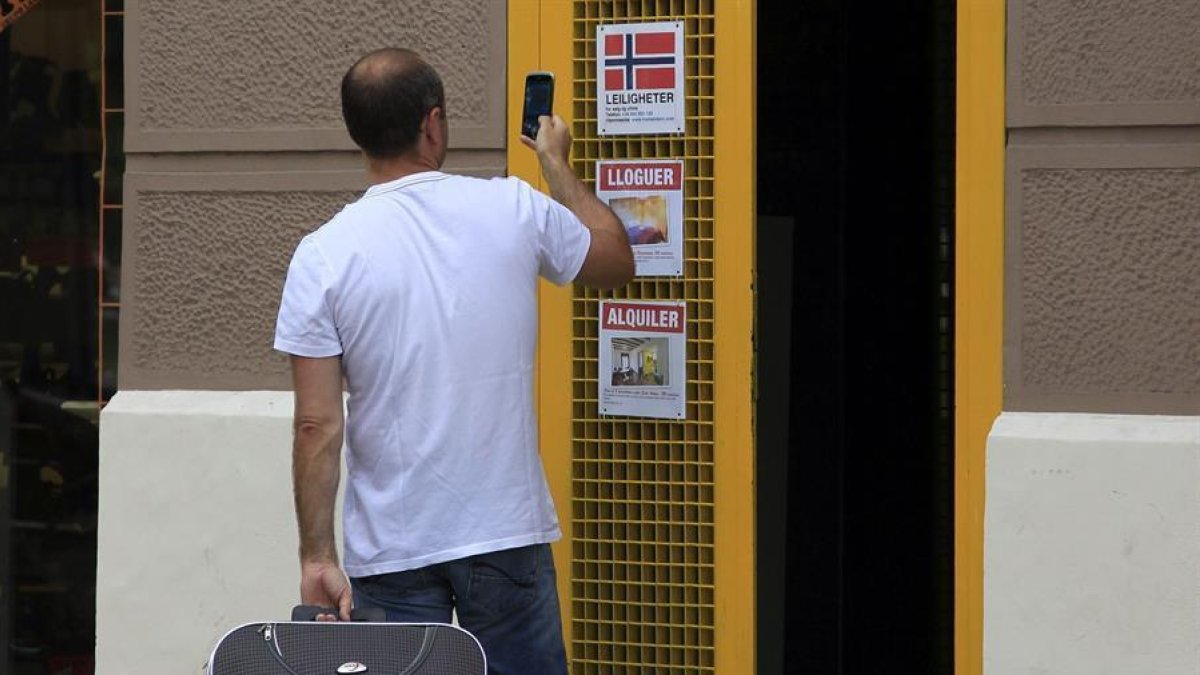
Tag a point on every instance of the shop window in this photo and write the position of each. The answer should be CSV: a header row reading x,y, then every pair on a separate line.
x,y
61,165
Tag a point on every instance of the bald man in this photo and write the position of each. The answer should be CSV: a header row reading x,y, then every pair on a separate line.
x,y
421,296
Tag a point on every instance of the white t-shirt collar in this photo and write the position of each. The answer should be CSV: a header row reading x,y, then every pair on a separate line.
x,y
410,179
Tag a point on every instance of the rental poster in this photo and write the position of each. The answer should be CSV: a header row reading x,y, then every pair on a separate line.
x,y
639,78
647,195
642,359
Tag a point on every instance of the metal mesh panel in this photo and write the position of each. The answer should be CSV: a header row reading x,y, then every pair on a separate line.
x,y
642,490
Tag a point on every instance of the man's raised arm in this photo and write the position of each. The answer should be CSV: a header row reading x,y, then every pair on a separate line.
x,y
609,261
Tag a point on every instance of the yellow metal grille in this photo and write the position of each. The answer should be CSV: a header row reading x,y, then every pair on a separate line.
x,y
642,554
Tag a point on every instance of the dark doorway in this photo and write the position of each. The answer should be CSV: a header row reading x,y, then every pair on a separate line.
x,y
855,409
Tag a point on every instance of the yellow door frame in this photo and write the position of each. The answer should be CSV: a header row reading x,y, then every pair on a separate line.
x,y
526,53
979,302
735,212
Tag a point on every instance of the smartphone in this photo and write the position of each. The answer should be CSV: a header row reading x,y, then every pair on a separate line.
x,y
539,100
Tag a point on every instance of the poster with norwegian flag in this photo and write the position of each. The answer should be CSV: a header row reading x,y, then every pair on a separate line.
x,y
639,78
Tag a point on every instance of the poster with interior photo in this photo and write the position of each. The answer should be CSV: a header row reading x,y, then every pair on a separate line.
x,y
647,195
643,348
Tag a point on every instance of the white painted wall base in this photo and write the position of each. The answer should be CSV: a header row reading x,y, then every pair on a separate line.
x,y
1092,545
196,527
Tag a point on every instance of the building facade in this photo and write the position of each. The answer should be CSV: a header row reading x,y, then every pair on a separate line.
x,y
1058,529
1090,550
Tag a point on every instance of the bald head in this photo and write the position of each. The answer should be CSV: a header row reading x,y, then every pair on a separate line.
x,y
385,97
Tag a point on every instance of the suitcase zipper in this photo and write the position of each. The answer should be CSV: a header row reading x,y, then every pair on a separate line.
x,y
268,632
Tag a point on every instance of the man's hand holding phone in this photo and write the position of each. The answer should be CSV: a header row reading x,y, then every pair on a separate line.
x,y
553,140
539,101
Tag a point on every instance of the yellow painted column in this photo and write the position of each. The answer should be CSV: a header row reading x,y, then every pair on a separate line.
x,y
524,32
556,334
553,377
979,293
733,354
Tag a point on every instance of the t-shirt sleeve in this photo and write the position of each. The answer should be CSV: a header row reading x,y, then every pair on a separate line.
x,y
305,326
562,239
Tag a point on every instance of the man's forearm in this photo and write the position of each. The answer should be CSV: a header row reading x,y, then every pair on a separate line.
x,y
316,470
569,191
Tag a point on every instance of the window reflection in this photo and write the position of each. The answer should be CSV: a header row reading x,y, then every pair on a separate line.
x,y
51,88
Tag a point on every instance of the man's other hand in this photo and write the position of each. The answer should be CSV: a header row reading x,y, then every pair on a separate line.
x,y
324,584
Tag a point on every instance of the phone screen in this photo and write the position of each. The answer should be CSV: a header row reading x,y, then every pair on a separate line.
x,y
539,99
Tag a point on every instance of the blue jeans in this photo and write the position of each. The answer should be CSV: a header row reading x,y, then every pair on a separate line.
x,y
507,599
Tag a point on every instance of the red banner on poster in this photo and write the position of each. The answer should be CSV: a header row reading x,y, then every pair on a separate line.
x,y
641,175
643,317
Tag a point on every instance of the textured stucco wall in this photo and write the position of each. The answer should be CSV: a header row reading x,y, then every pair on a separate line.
x,y
236,149
210,268
265,75
257,66
1103,206
1103,61
1106,289
1111,271
1109,50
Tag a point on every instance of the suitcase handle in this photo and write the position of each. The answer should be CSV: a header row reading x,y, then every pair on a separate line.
x,y
364,614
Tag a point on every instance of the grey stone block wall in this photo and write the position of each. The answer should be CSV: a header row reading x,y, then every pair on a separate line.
x,y
235,149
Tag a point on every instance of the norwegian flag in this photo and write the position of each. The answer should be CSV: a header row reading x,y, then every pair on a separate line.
x,y
639,61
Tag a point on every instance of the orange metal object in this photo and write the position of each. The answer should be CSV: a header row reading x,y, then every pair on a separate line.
x,y
19,8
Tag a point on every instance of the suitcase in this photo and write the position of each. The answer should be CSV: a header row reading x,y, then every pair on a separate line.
x,y
361,646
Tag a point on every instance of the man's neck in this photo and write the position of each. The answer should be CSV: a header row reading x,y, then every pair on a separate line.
x,y
395,168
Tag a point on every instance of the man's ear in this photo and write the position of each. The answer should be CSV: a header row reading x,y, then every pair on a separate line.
x,y
433,120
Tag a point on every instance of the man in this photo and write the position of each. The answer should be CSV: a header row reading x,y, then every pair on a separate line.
x,y
422,296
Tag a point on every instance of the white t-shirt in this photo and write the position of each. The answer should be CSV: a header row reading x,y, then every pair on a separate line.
x,y
426,286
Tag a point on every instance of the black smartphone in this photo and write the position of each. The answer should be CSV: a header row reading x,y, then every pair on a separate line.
x,y
539,100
